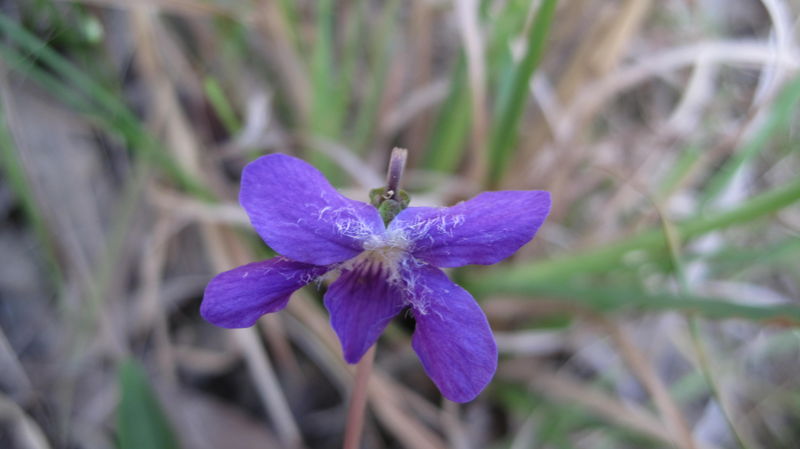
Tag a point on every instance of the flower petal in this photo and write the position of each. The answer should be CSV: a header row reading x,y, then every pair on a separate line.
x,y
300,215
361,304
483,230
452,338
237,298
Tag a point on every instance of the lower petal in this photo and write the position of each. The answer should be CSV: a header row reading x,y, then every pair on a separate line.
x,y
452,338
237,298
361,303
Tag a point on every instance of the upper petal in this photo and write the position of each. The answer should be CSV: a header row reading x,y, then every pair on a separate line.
x,y
300,215
237,298
483,230
361,303
452,338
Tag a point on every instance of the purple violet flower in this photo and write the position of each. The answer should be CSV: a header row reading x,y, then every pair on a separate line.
x,y
379,269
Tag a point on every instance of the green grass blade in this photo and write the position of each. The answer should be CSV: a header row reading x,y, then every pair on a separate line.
x,y
731,263
780,118
688,159
504,130
603,299
81,91
222,107
446,144
291,17
324,73
524,275
355,29
17,180
380,63
141,422
508,23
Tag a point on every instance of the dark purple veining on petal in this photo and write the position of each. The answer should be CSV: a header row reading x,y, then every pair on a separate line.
x,y
361,302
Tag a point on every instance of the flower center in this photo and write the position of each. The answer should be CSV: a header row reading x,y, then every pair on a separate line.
x,y
389,241
382,256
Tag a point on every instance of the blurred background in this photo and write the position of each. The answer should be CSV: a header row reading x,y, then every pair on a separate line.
x,y
657,308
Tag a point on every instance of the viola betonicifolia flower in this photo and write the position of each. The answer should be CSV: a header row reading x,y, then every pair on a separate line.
x,y
377,266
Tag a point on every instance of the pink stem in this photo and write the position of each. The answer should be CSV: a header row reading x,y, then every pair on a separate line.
x,y
358,401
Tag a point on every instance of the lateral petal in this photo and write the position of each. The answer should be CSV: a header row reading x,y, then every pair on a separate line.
x,y
483,230
237,298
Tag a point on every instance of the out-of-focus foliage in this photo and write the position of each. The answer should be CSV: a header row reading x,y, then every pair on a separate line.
x,y
658,307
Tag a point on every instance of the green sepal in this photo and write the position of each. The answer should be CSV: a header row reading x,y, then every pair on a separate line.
x,y
388,208
376,196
